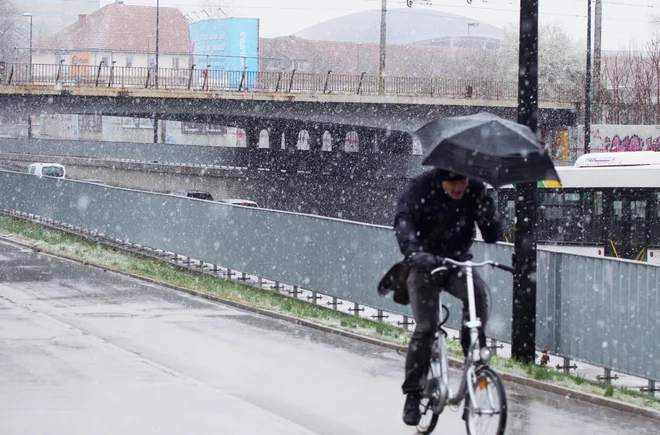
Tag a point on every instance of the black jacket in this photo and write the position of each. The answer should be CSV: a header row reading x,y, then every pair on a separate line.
x,y
428,220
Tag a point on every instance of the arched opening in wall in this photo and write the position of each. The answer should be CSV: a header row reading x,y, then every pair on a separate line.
x,y
276,140
303,140
326,143
352,142
263,139
416,146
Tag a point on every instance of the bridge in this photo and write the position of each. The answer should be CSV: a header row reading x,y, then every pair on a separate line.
x,y
284,102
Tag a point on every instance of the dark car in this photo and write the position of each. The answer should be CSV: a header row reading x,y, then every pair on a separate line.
x,y
197,194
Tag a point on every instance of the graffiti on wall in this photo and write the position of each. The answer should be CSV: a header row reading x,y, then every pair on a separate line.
x,y
620,138
634,143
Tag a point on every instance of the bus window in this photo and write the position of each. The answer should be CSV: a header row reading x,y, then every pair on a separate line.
x,y
638,224
593,217
598,203
560,217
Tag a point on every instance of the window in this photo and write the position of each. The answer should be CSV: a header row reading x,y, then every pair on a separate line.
x,y
299,64
52,171
104,59
175,63
598,204
129,61
90,123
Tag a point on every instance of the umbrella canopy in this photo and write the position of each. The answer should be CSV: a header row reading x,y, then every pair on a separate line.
x,y
486,147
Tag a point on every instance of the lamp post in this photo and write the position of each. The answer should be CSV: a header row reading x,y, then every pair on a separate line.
x,y
157,31
27,14
587,92
383,47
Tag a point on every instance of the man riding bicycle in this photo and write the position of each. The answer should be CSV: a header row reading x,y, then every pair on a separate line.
x,y
435,217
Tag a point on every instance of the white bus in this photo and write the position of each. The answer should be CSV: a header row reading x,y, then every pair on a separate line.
x,y
606,204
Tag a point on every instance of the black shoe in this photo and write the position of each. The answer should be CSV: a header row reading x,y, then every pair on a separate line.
x,y
411,414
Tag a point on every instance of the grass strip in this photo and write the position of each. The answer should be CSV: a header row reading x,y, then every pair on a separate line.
x,y
56,241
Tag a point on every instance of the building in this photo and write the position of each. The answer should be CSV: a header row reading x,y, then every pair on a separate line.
x,y
120,35
419,44
313,56
407,27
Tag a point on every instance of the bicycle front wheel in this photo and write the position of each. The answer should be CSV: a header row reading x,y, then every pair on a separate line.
x,y
428,418
488,416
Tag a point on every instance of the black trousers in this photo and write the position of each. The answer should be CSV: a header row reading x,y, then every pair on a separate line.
x,y
424,290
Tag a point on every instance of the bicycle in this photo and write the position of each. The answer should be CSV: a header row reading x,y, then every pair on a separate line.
x,y
477,376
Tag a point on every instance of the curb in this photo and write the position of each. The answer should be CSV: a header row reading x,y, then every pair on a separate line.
x,y
453,362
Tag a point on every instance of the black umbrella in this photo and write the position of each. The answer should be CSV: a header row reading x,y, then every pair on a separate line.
x,y
486,147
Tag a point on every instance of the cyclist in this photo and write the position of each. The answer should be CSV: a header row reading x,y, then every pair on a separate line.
x,y
436,217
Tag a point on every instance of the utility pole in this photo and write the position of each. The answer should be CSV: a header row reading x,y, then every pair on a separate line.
x,y
587,95
156,69
523,339
157,32
383,47
598,30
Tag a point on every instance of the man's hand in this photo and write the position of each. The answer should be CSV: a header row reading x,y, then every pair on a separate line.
x,y
423,260
491,229
485,211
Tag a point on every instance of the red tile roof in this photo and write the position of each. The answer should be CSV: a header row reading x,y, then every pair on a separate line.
x,y
120,27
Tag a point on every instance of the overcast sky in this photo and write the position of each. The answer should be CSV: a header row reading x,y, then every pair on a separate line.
x,y
624,21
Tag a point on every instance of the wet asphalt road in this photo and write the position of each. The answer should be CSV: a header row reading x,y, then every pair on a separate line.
x,y
84,351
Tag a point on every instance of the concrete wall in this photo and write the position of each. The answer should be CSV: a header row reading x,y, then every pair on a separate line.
x,y
141,130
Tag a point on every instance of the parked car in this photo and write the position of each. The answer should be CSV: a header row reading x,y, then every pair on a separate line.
x,y
243,202
47,170
198,194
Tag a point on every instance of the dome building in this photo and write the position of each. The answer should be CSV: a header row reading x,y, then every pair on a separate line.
x,y
407,27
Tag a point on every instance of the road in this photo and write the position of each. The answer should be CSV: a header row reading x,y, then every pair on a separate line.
x,y
86,351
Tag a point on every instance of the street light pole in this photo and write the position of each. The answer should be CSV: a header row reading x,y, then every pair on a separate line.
x,y
587,96
383,47
27,14
523,335
156,119
157,32
29,132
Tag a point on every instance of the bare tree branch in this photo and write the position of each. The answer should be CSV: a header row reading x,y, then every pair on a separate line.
x,y
13,31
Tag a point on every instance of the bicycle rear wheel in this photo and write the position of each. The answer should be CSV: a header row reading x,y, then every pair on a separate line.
x,y
489,415
429,419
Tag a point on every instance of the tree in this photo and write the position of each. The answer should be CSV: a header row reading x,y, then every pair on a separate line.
x,y
13,32
560,59
616,72
653,60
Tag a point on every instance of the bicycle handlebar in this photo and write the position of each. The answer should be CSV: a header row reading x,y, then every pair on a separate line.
x,y
444,261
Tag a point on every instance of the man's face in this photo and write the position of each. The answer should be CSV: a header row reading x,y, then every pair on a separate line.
x,y
455,189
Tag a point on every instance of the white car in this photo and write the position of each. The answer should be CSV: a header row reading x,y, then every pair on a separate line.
x,y
47,170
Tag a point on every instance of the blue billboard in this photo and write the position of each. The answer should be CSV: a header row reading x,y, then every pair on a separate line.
x,y
227,47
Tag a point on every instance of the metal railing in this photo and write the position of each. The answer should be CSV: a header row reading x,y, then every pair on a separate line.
x,y
602,311
265,81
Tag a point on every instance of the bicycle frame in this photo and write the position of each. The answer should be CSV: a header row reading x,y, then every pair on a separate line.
x,y
440,360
